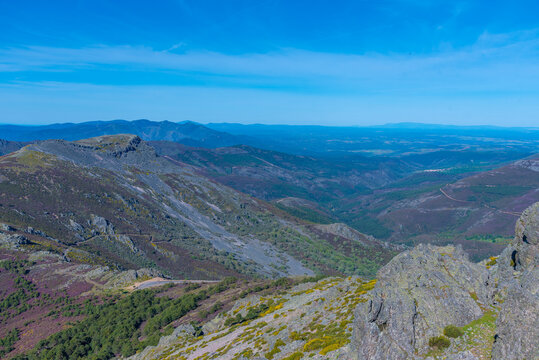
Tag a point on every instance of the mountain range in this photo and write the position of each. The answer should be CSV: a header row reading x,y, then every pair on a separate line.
x,y
187,132
379,181
166,240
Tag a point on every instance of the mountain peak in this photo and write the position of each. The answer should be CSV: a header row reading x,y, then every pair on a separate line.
x,y
112,142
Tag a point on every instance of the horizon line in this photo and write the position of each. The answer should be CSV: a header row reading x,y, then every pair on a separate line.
x,y
387,124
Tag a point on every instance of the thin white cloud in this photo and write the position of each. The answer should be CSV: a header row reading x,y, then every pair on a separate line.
x,y
63,102
497,62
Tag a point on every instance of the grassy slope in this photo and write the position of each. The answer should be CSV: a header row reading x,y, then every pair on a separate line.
x,y
48,194
373,195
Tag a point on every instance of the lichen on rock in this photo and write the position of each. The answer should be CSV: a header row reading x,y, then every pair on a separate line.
x,y
418,293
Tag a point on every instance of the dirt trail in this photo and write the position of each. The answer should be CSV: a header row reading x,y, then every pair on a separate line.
x,y
112,235
452,198
158,281
485,205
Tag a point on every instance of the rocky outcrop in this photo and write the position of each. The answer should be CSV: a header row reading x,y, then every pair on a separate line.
x,y
13,241
7,227
101,225
425,289
115,145
128,277
517,326
530,163
418,294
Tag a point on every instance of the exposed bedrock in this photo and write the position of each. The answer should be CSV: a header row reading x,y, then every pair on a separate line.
x,y
419,293
517,327
423,290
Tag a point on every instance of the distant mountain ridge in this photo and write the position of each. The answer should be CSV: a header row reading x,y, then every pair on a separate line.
x,y
187,132
327,141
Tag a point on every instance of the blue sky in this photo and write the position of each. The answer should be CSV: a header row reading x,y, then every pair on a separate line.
x,y
296,62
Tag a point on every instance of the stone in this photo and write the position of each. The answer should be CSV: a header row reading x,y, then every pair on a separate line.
x,y
75,226
13,241
418,293
102,225
7,227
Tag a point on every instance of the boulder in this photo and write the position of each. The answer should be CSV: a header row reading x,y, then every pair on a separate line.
x,y
101,225
418,293
13,241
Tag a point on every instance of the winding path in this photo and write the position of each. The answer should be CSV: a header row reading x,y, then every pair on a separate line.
x,y
485,205
158,281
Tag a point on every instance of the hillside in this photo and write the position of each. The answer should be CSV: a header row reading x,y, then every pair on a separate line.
x,y
61,261
116,200
272,175
388,197
427,303
7,147
474,210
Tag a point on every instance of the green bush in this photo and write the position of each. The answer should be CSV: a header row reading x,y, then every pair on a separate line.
x,y
439,342
115,327
7,342
253,313
452,331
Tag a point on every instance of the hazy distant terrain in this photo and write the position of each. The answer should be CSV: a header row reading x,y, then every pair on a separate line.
x,y
327,141
393,139
187,132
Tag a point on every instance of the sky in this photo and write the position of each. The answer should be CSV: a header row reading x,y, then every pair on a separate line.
x,y
333,62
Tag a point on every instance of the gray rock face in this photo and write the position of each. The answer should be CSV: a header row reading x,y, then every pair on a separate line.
x,y
518,322
75,226
102,225
31,230
128,277
7,227
465,355
13,241
423,290
418,293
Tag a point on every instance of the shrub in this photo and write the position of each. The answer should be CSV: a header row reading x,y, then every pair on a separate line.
x,y
275,350
313,344
492,261
7,342
116,326
253,313
329,348
294,356
452,331
439,342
